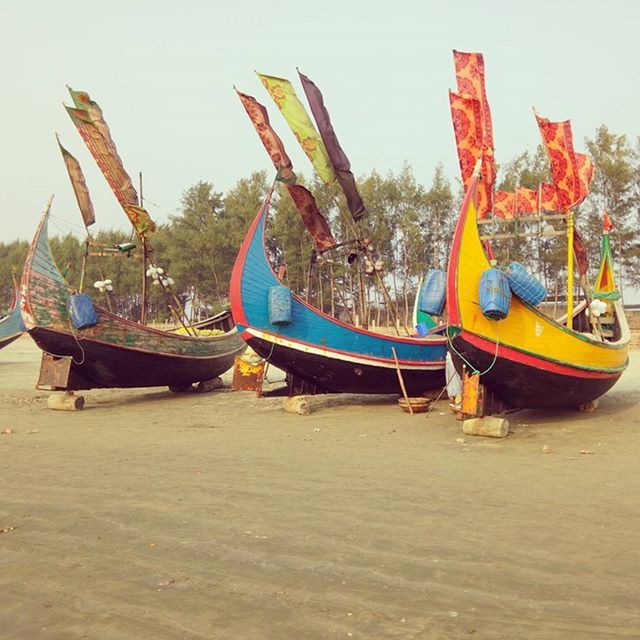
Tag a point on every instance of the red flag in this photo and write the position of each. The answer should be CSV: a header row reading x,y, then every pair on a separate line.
x,y
270,139
470,79
549,197
466,116
311,216
571,172
504,204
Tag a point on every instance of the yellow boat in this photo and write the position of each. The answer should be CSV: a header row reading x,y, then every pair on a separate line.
x,y
528,359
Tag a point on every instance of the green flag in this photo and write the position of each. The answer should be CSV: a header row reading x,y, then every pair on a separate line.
x,y
298,119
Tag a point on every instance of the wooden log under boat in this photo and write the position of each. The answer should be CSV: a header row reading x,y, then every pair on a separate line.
x,y
317,348
115,352
527,359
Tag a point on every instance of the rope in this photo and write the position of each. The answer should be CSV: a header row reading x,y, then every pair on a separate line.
x,y
473,369
78,343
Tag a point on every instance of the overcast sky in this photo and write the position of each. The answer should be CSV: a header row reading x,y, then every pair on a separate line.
x,y
163,73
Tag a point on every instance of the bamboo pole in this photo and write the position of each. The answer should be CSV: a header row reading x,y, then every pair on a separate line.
x,y
364,311
401,380
570,269
143,311
332,282
391,305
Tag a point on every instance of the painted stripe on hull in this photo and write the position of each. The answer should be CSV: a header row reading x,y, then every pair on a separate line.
x,y
333,354
524,385
340,376
536,362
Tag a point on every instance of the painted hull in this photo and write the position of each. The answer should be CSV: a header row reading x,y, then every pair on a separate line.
x,y
319,349
11,326
534,385
527,359
116,352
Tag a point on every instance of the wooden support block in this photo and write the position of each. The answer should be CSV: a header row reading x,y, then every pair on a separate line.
x,y
297,404
210,385
65,402
487,426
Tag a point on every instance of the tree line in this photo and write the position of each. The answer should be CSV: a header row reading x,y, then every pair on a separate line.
x,y
409,224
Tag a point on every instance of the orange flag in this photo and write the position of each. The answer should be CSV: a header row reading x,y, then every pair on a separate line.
x,y
470,79
504,204
571,172
466,116
549,197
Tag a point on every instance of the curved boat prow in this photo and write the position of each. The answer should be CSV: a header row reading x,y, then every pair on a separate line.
x,y
528,359
318,348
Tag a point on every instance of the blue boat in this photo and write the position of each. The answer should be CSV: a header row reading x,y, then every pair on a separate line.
x,y
11,326
319,349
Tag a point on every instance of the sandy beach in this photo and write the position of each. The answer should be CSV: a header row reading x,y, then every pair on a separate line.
x,y
219,516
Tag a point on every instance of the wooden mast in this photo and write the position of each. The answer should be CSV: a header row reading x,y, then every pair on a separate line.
x,y
143,311
570,269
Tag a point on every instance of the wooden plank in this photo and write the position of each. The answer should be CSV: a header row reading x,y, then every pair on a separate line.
x,y
529,234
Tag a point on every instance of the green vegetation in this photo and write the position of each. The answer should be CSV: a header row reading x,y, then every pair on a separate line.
x,y
409,223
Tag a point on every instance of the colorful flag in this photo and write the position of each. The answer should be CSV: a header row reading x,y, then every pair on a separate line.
x,y
504,204
507,204
466,116
527,201
304,201
549,197
107,159
297,118
470,78
338,158
311,216
140,219
270,139
571,172
79,186
585,175
83,102
605,282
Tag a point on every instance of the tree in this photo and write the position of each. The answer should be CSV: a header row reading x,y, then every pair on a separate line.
x,y
614,189
193,245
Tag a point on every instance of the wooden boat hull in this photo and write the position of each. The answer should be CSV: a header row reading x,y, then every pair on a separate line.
x,y
319,349
116,352
528,359
4,342
529,382
11,327
339,376
102,365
